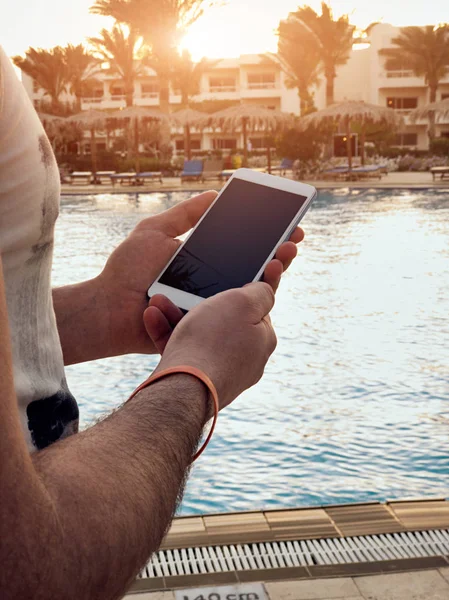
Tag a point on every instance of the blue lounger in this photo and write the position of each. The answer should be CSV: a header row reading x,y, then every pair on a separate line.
x,y
122,177
286,165
193,169
140,177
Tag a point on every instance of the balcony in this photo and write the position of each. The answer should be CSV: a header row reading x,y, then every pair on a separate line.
x,y
213,89
94,100
262,85
399,73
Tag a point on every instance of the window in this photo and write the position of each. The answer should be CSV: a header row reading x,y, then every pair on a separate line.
x,y
257,143
150,90
257,81
222,84
224,144
402,103
444,96
445,134
98,93
406,139
194,145
117,91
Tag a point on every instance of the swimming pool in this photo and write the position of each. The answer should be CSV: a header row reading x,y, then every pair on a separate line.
x,y
354,405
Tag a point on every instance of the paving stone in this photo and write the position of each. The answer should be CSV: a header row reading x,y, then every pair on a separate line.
x,y
445,573
418,585
316,589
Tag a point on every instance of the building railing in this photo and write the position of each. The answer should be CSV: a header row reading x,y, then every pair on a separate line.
x,y
262,86
149,95
116,97
95,100
399,73
222,88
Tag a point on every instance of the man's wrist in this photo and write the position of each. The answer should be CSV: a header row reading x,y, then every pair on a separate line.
x,y
188,391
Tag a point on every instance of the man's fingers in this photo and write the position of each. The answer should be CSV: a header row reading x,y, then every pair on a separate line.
x,y
172,313
286,253
297,236
183,216
261,297
273,273
158,327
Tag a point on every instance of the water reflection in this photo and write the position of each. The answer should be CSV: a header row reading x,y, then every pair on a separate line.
x,y
354,405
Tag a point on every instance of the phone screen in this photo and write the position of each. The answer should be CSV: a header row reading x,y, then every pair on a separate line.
x,y
233,241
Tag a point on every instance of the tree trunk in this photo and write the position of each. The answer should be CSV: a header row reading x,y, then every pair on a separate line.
x,y
136,146
187,149
349,144
362,145
164,105
330,77
245,142
164,93
433,96
93,154
269,156
302,103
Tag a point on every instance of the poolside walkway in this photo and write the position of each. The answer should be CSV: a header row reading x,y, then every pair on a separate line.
x,y
392,180
432,584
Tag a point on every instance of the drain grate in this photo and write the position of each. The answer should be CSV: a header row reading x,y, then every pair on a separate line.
x,y
269,555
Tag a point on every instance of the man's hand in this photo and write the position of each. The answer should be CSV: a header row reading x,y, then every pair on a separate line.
x,y
228,336
138,261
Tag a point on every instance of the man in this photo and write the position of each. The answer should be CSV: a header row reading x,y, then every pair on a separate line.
x,y
81,513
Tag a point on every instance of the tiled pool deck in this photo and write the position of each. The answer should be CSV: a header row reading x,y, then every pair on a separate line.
x,y
392,180
427,576
432,584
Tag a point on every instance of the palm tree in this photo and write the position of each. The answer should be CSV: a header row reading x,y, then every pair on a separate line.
x,y
48,69
334,39
162,24
81,68
425,51
122,49
300,58
186,76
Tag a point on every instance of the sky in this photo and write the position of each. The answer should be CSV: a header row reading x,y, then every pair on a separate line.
x,y
235,27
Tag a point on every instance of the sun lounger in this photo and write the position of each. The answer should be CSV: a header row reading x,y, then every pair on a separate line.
x,y
367,172
441,171
212,169
141,177
286,165
335,173
86,175
122,178
193,169
103,176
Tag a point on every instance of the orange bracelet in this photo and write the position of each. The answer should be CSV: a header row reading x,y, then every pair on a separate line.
x,y
199,375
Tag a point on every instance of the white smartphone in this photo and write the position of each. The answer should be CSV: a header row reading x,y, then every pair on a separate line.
x,y
235,239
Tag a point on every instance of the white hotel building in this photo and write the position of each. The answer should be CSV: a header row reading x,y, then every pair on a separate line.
x,y
258,79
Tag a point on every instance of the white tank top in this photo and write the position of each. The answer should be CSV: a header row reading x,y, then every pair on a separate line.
x,y
29,206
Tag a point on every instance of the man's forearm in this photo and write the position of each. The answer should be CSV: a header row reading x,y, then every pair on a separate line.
x,y
82,319
114,490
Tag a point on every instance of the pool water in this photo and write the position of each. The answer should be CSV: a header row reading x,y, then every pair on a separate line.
x,y
354,405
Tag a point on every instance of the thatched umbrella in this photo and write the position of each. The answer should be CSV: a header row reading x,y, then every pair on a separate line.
x,y
352,111
91,120
136,114
433,110
187,117
248,117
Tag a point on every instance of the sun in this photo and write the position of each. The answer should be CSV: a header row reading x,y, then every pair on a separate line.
x,y
225,31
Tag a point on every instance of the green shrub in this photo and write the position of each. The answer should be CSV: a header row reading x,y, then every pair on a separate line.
x,y
440,146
